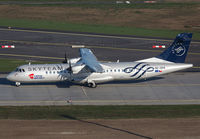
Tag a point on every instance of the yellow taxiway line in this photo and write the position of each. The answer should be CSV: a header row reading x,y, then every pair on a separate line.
x,y
87,35
15,55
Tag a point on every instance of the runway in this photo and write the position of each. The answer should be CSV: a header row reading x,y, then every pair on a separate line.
x,y
175,88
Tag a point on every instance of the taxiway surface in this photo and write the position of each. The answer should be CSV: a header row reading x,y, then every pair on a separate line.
x,y
176,88
51,46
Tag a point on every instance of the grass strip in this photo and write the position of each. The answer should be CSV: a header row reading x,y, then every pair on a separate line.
x,y
103,4
103,29
99,112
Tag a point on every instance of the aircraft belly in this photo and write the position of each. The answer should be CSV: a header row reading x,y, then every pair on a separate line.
x,y
103,79
96,77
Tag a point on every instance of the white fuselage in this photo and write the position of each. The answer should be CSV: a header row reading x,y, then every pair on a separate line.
x,y
112,71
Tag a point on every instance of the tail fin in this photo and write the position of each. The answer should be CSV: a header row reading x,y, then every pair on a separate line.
x,y
177,52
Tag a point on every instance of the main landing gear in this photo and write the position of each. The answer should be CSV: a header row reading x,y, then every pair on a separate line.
x,y
17,84
91,84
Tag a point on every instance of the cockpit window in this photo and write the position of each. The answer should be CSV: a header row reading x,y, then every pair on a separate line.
x,y
19,70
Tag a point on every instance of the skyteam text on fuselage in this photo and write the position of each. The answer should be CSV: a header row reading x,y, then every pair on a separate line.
x,y
86,69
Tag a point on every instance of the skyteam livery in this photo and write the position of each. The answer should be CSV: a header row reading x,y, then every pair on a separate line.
x,y
86,69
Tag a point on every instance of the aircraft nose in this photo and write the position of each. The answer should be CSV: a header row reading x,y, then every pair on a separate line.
x,y
9,77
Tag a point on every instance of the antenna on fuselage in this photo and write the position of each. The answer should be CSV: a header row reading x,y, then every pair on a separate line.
x,y
29,62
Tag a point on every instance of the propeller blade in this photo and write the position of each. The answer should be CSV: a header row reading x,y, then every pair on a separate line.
x,y
70,68
65,60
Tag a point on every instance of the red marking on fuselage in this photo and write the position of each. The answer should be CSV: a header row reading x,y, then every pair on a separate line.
x,y
31,76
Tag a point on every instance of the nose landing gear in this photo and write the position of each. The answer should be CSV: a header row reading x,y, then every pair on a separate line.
x,y
17,84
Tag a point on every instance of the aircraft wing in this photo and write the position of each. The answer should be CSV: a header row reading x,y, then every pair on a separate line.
x,y
90,60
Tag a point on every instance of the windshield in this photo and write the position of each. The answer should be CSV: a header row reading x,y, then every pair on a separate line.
x,y
19,70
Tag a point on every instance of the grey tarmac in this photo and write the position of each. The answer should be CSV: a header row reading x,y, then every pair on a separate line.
x,y
52,45
175,88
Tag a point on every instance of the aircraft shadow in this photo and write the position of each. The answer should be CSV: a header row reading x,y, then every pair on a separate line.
x,y
4,81
63,84
106,126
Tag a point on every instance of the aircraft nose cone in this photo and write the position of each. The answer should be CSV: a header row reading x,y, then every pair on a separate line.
x,y
9,77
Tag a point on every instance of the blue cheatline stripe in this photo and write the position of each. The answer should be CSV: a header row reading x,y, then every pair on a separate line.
x,y
139,70
145,72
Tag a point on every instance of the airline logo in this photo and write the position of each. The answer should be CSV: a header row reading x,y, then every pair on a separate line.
x,y
139,70
178,50
32,76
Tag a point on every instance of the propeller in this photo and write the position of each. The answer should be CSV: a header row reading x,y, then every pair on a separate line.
x,y
69,69
65,60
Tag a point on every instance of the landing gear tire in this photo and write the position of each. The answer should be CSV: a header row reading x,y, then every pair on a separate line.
x,y
91,84
17,84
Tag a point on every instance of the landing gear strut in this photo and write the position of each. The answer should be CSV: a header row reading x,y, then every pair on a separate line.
x,y
91,84
17,84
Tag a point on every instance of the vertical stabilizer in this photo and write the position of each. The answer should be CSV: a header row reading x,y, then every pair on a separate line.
x,y
177,52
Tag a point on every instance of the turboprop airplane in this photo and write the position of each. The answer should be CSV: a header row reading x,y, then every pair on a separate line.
x,y
87,70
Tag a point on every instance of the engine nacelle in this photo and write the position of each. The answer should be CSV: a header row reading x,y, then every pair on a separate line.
x,y
74,60
77,69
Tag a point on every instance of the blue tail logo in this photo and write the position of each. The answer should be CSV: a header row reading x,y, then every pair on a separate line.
x,y
144,68
177,52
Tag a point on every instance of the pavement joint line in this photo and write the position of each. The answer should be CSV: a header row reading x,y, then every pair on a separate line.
x,y
101,47
84,92
103,101
147,85
87,35
41,43
82,88
31,56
